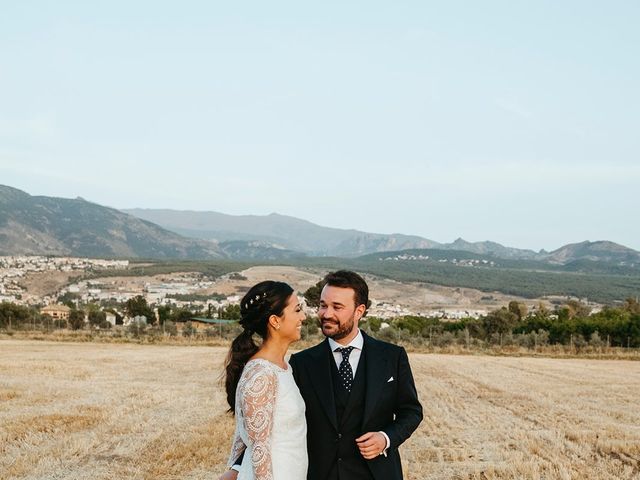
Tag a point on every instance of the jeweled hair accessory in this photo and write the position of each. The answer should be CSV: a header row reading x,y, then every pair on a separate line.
x,y
255,299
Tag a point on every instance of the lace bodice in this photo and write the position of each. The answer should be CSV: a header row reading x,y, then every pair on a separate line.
x,y
270,424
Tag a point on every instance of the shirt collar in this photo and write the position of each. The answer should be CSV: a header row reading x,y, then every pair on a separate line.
x,y
357,342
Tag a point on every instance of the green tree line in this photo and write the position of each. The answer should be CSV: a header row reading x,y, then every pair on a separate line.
x,y
569,324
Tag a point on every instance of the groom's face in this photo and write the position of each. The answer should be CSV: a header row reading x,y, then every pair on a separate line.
x,y
338,313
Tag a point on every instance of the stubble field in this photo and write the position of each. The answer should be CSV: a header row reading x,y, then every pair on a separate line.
x,y
110,411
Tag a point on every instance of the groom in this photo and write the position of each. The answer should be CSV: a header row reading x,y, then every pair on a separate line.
x,y
361,400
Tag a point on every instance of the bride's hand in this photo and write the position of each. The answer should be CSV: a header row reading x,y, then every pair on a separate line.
x,y
229,475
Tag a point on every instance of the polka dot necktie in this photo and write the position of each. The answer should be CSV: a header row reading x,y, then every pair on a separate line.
x,y
345,373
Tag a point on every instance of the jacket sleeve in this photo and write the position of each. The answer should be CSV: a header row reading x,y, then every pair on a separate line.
x,y
407,409
293,362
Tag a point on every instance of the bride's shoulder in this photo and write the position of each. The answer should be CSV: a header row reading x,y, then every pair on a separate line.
x,y
263,363
258,375
259,367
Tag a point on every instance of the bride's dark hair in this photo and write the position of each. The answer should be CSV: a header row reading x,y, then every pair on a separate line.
x,y
261,301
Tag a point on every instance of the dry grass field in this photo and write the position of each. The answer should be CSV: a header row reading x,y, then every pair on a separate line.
x,y
114,411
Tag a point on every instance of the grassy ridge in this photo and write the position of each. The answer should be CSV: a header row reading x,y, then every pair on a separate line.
x,y
525,283
521,278
141,268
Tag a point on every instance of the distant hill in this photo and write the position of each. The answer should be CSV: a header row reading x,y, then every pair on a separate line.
x,y
599,281
491,248
253,250
36,225
603,264
297,235
601,251
280,231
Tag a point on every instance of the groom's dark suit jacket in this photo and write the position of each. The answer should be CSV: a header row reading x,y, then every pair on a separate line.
x,y
383,398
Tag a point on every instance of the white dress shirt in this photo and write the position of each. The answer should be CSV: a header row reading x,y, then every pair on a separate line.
x,y
354,358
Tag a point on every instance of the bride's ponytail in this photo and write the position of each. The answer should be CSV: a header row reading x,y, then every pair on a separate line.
x,y
242,349
261,301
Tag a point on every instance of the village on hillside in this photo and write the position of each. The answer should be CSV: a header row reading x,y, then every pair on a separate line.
x,y
189,290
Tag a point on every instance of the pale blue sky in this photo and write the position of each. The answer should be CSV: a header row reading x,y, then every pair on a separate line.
x,y
512,121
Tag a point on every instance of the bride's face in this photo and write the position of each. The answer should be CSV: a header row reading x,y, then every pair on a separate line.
x,y
291,319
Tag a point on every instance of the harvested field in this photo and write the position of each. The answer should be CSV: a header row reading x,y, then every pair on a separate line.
x,y
113,411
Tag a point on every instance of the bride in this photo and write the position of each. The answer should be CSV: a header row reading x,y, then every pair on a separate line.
x,y
270,433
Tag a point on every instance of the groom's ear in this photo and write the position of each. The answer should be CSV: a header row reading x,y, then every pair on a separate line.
x,y
360,309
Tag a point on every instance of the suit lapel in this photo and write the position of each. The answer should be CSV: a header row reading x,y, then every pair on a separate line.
x,y
320,377
375,369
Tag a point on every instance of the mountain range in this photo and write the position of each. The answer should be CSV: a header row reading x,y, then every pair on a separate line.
x,y
280,231
294,234
59,226
35,225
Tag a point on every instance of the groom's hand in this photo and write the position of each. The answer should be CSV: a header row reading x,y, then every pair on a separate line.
x,y
371,444
229,475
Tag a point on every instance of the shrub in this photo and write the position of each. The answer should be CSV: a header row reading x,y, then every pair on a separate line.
x,y
105,325
154,333
189,330
137,328
60,323
373,323
76,319
231,331
596,341
579,342
444,339
389,334
211,332
170,329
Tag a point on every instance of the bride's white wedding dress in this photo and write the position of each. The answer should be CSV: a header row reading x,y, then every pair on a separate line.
x,y
270,424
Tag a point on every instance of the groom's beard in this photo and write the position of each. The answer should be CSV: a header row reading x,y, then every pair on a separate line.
x,y
331,327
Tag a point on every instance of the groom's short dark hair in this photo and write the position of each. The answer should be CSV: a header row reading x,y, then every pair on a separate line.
x,y
349,279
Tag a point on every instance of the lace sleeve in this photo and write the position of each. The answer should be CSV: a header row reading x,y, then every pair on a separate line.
x,y
236,449
258,404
